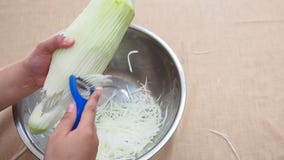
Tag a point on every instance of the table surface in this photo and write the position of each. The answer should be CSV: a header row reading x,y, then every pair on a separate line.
x,y
232,53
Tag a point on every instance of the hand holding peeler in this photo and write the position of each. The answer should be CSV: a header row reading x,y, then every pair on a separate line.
x,y
76,84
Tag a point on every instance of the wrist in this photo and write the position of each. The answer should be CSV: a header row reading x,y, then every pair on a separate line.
x,y
17,83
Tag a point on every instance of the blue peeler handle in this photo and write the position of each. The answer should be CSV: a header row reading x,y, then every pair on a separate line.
x,y
79,100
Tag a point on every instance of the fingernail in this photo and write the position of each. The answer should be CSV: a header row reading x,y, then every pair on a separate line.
x,y
71,108
67,40
99,90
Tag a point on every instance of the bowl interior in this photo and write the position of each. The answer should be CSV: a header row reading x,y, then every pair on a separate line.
x,y
154,64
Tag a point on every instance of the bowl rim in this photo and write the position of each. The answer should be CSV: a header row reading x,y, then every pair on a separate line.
x,y
28,142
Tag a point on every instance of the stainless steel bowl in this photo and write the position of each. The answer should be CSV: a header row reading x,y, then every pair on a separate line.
x,y
156,61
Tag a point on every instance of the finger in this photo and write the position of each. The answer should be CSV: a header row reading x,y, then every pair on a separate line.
x,y
89,113
67,121
55,42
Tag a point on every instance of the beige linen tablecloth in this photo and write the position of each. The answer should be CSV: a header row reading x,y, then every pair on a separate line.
x,y
232,52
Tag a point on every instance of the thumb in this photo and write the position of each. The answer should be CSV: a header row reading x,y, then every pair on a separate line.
x,y
67,121
89,113
53,43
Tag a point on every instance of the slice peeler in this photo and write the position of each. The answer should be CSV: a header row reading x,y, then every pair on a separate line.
x,y
77,84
